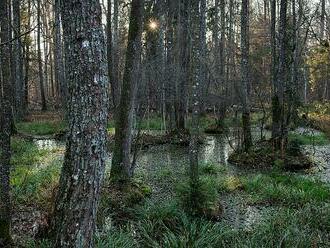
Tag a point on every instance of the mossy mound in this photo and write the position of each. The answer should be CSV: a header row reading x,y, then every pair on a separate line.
x,y
117,200
263,156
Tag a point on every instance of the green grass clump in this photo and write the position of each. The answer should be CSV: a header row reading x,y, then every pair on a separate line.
x,y
38,244
209,169
320,139
163,225
154,123
114,238
288,190
201,198
34,174
41,127
25,153
35,184
167,212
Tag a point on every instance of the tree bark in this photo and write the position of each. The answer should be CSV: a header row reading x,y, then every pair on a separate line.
x,y
183,64
122,169
112,51
279,122
18,60
5,126
84,162
60,81
245,67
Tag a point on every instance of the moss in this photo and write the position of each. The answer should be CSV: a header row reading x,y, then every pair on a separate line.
x,y
229,184
263,156
118,200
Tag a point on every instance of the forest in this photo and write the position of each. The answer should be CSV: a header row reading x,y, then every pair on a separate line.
x,y
164,123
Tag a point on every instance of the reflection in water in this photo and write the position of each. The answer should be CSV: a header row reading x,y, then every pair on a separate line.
x,y
46,144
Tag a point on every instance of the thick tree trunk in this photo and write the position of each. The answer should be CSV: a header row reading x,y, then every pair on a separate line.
x,y
122,169
84,162
247,138
5,127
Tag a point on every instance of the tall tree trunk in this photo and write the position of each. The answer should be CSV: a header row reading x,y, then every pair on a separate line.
x,y
112,51
276,125
294,86
203,56
170,65
222,45
27,58
5,126
122,169
279,125
41,75
60,81
18,60
183,64
84,162
323,15
199,75
245,67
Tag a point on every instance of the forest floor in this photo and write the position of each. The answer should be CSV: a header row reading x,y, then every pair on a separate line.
x,y
259,208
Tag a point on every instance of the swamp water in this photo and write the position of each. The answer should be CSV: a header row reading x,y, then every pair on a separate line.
x,y
158,165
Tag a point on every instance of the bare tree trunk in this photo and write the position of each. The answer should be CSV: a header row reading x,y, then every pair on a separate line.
x,y
245,67
276,125
41,75
27,58
84,162
5,127
183,64
199,75
60,81
279,122
171,70
222,45
323,15
112,51
122,169
18,58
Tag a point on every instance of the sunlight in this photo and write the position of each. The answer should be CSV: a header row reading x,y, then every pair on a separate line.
x,y
153,25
